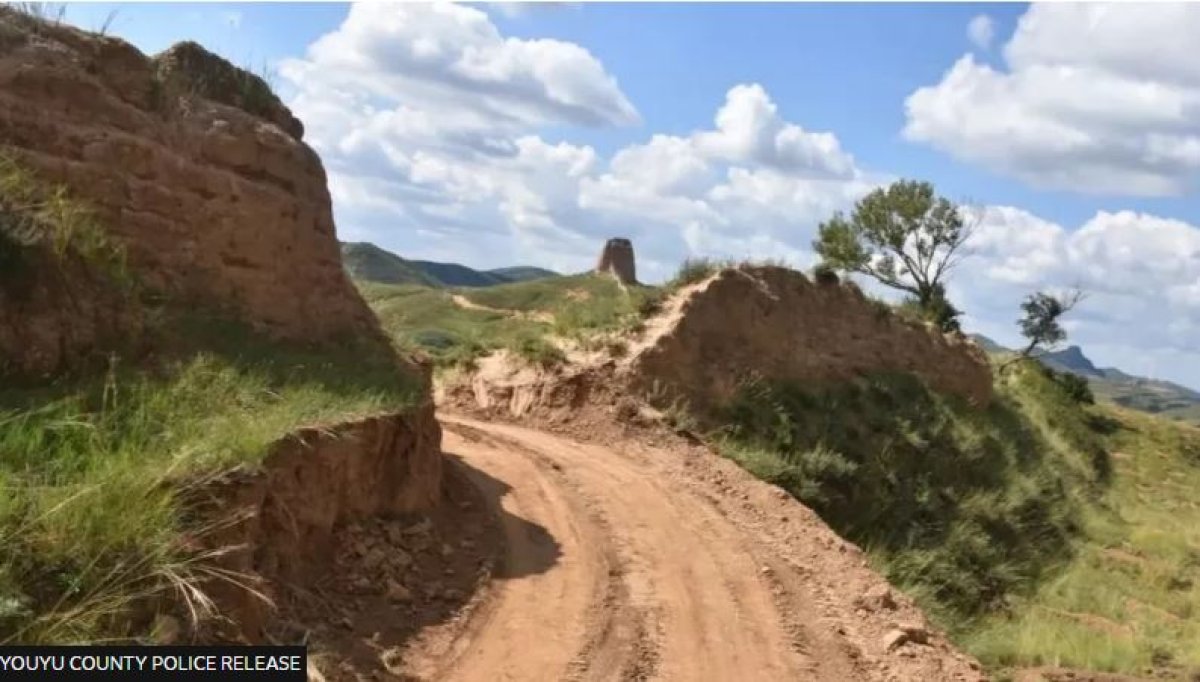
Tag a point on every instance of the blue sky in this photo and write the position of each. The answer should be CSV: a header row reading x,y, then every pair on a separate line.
x,y
1072,129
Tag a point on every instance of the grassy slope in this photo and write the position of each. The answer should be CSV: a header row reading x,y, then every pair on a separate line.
x,y
1041,531
578,307
962,506
87,527
1130,598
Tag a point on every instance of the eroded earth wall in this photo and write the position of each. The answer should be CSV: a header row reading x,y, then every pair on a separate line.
x,y
776,323
193,165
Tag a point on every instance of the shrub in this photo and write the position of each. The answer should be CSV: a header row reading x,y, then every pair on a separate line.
x,y
825,275
1073,386
651,304
538,351
616,348
693,270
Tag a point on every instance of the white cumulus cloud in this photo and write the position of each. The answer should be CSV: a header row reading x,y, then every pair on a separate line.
x,y
980,31
1094,98
436,133
1139,271
430,123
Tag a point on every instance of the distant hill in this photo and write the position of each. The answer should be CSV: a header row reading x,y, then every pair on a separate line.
x,y
1072,360
368,262
522,273
1109,383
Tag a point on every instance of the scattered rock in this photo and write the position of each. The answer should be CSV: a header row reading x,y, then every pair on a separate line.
x,y
894,639
400,559
903,634
421,527
877,598
392,659
374,558
398,593
915,632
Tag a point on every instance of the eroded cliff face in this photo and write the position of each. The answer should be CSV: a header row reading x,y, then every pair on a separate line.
x,y
191,164
198,177
775,323
275,525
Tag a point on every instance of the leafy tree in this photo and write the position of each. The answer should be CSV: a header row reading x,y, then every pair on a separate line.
x,y
905,237
1041,323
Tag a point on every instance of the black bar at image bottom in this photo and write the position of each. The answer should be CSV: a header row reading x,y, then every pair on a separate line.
x,y
129,663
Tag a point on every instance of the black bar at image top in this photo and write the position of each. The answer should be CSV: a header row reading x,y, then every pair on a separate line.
x,y
259,663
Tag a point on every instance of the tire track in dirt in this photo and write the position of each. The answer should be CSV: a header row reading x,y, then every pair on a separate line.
x,y
558,608
688,601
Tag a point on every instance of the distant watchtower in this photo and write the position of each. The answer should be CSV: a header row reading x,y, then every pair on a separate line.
x,y
617,260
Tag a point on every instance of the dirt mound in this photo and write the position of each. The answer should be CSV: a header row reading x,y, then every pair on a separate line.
x,y
710,337
277,525
191,164
773,322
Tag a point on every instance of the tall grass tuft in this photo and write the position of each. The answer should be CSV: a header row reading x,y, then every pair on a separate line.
x,y
33,214
90,520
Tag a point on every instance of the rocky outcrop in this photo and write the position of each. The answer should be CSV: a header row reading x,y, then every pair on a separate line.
x,y
774,323
192,165
617,260
280,519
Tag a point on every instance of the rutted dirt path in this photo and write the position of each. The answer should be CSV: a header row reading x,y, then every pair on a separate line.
x,y
621,565
467,304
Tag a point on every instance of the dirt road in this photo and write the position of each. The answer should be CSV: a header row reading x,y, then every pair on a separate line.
x,y
627,562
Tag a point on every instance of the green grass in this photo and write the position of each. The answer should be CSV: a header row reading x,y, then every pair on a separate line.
x,y
536,350
429,320
35,216
523,316
89,518
961,506
1041,531
579,304
1130,600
